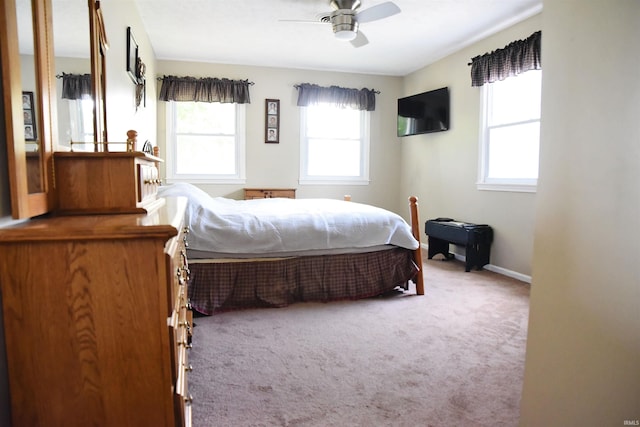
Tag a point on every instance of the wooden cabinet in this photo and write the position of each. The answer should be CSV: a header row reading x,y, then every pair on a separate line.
x,y
96,318
266,193
105,182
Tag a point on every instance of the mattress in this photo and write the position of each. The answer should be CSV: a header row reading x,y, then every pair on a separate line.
x,y
283,227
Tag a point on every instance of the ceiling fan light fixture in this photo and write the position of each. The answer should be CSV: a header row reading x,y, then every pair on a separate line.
x,y
344,26
346,35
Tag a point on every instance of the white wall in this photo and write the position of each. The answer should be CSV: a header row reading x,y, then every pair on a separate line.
x,y
583,350
277,165
442,168
121,108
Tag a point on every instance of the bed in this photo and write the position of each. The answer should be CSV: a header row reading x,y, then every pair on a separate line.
x,y
274,252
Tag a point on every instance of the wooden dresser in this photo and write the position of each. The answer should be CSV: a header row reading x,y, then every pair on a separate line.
x,y
96,319
267,193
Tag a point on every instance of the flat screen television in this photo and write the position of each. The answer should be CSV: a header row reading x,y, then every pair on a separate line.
x,y
424,113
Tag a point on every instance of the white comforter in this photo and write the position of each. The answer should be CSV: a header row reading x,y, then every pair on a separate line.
x,y
276,226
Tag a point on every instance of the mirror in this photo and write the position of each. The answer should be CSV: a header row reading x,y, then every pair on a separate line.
x,y
30,112
29,145
71,49
80,48
29,160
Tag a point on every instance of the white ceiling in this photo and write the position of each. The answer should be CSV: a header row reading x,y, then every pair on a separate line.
x,y
251,32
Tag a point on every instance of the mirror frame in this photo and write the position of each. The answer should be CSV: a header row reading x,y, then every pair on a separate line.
x,y
23,203
99,46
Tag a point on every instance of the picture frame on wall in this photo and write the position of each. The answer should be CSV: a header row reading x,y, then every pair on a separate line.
x,y
132,56
28,111
272,121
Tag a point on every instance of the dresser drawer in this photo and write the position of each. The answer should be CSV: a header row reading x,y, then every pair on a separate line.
x,y
148,182
182,396
180,325
180,369
183,399
179,321
177,267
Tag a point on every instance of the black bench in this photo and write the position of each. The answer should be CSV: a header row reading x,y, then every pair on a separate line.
x,y
476,238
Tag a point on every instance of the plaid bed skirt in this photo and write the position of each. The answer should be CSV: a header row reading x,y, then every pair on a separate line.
x,y
217,286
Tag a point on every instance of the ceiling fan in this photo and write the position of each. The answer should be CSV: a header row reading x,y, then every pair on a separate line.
x,y
345,18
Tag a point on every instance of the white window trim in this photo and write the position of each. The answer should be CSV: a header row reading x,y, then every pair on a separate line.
x,y
173,177
365,141
492,184
503,186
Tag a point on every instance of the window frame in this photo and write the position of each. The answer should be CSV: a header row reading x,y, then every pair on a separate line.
x,y
365,142
526,185
240,151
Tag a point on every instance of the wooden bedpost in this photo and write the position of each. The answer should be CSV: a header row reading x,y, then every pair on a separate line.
x,y
417,254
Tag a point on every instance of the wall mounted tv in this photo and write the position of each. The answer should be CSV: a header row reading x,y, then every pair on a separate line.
x,y
424,113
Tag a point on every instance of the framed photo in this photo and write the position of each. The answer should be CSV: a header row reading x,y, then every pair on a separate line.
x,y
28,111
272,121
132,56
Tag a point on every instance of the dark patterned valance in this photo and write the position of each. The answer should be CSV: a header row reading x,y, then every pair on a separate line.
x,y
76,86
515,58
357,99
206,89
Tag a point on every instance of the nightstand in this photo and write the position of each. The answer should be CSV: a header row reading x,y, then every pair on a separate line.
x,y
267,193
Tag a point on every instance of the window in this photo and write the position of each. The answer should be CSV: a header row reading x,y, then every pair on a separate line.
x,y
510,133
334,145
205,142
80,122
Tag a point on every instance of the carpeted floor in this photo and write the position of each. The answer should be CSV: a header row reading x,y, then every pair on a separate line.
x,y
454,356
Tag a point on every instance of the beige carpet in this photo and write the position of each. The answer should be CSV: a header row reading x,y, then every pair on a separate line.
x,y
454,356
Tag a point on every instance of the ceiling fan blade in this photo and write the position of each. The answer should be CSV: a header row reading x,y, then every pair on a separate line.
x,y
360,40
320,18
379,11
301,21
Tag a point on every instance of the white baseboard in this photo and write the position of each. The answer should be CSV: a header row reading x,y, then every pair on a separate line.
x,y
491,267
509,273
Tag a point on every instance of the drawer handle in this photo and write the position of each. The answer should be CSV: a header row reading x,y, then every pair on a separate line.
x,y
188,399
185,344
153,181
180,275
188,368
